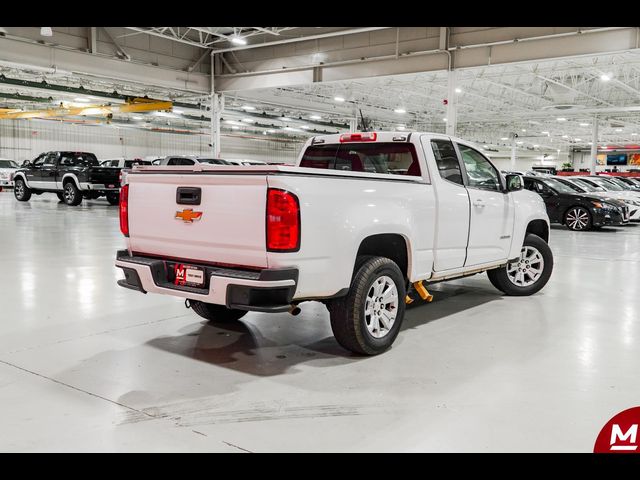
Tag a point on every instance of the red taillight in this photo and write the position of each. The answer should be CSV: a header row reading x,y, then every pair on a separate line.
x,y
283,221
358,137
124,210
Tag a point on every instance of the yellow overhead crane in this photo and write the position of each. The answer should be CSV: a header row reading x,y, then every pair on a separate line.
x,y
132,105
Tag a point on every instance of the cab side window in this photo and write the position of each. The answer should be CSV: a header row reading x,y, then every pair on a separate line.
x,y
40,160
447,160
480,172
50,159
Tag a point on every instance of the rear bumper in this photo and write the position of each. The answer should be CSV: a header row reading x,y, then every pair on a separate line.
x,y
100,187
268,290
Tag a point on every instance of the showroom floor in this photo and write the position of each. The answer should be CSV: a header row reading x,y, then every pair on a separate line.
x,y
86,365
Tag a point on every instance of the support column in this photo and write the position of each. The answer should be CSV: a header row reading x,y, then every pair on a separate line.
x,y
594,146
452,104
513,153
353,122
93,40
217,105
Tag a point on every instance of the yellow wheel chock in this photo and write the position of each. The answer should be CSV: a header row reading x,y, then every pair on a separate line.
x,y
422,291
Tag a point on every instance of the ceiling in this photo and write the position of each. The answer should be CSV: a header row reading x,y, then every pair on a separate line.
x,y
495,103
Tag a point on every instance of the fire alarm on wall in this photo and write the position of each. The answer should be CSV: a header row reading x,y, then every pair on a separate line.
x,y
445,102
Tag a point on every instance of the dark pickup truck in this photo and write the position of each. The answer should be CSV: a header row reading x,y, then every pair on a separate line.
x,y
71,175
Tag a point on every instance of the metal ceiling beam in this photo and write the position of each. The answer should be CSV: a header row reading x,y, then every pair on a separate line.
x,y
301,39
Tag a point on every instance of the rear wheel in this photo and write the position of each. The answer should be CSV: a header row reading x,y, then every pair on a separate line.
x,y
577,219
216,313
71,194
529,273
368,319
113,198
21,191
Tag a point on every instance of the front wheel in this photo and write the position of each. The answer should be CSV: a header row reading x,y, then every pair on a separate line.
x,y
368,319
113,198
529,273
72,195
21,191
216,313
577,219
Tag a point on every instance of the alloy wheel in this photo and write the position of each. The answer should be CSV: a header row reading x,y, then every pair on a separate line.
x,y
381,306
577,219
528,269
19,186
69,193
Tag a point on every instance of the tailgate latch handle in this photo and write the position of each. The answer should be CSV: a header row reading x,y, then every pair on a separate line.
x,y
188,195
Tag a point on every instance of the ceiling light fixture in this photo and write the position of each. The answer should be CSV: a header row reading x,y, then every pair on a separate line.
x,y
237,40
248,120
577,139
561,119
401,127
504,138
400,110
339,99
524,129
544,133
565,136
458,90
315,117
584,124
444,119
618,129
46,31
634,134
306,127
82,99
248,107
605,77
178,111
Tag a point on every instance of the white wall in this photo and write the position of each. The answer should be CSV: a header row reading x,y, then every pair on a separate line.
x,y
26,139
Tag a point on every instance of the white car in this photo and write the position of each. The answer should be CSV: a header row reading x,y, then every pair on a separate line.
x,y
7,169
123,163
607,189
358,220
246,162
182,160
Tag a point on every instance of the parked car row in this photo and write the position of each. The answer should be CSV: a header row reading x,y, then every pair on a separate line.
x,y
589,202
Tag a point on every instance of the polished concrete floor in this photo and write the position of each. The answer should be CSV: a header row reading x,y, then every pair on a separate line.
x,y
88,366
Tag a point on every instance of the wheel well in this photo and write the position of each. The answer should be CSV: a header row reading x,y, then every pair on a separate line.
x,y
67,180
390,245
539,228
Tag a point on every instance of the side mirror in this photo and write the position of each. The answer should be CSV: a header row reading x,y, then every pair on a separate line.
x,y
514,183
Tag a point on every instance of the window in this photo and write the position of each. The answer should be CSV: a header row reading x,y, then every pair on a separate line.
x,y
447,160
40,160
78,159
8,164
180,161
50,159
480,172
386,158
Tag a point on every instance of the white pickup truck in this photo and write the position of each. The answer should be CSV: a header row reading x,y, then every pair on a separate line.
x,y
360,219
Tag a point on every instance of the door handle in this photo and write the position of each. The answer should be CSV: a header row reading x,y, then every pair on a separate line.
x,y
478,203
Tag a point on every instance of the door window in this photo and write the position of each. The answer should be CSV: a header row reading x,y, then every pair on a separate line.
x,y
480,173
447,160
40,160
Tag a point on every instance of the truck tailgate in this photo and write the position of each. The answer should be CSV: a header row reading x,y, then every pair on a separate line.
x,y
230,229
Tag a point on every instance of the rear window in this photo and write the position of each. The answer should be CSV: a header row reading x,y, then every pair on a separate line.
x,y
78,159
388,158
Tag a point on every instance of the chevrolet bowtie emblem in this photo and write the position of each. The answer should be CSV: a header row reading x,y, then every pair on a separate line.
x,y
188,215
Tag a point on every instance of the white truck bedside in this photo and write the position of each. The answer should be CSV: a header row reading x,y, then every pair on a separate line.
x,y
358,219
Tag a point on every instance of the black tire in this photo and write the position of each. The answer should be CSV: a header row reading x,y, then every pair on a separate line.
x,y
348,317
577,219
60,196
500,279
216,313
72,196
113,198
21,191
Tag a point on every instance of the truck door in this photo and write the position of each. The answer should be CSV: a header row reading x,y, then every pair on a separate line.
x,y
452,202
492,209
49,170
33,174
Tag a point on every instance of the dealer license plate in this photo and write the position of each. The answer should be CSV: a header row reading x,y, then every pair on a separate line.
x,y
189,276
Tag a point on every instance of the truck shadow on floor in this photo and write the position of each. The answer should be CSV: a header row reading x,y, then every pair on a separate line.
x,y
267,345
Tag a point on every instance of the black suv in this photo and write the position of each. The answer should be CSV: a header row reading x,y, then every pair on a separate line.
x,y
578,211
70,175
